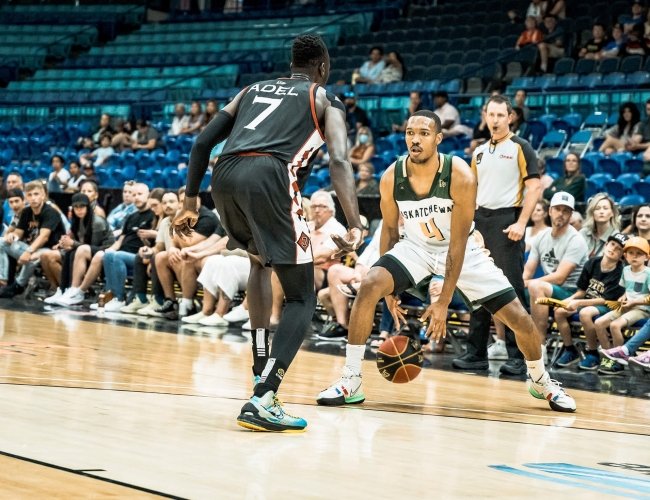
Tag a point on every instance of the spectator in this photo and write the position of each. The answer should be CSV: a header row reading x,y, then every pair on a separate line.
x,y
146,136
640,225
415,104
103,128
546,180
519,127
449,116
641,140
39,228
636,280
120,256
123,210
539,218
155,204
625,354
354,115
601,222
598,282
87,229
195,120
146,260
627,127
576,221
613,48
89,188
211,110
595,45
371,69
635,45
573,181
100,154
646,27
76,177
556,8
3,189
59,178
520,102
532,34
536,10
16,202
14,181
121,140
394,71
636,19
364,148
553,45
366,184
89,172
562,253
181,120
480,135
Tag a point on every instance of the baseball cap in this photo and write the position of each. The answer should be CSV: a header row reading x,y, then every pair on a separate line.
x,y
619,238
563,198
639,243
80,199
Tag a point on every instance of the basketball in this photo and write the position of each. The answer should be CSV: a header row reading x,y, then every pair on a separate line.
x,y
399,359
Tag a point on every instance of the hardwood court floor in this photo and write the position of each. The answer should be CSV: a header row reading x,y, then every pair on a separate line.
x,y
104,410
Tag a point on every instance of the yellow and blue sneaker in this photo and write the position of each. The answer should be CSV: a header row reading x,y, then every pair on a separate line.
x,y
266,414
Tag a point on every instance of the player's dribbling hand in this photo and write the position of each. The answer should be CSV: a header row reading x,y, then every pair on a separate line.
x,y
436,315
183,222
348,243
393,302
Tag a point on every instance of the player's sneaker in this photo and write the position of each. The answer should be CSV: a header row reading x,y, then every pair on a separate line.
x,y
568,358
346,390
549,389
497,351
266,414
642,360
616,354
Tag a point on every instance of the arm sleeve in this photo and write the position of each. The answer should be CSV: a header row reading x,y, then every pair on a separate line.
x,y
215,132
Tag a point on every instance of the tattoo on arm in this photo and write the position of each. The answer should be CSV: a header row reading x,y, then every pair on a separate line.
x,y
449,265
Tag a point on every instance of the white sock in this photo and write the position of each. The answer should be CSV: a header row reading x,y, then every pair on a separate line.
x,y
501,342
354,357
187,302
536,369
626,350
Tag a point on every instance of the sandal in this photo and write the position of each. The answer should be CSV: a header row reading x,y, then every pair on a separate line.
x,y
348,290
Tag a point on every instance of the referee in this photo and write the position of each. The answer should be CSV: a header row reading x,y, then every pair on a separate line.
x,y
508,190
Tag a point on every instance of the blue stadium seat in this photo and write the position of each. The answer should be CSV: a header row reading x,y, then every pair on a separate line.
x,y
601,179
591,81
631,64
632,199
548,120
584,66
628,180
447,145
311,186
643,189
609,65
587,166
633,165
609,166
553,139
637,79
555,165
591,189
621,157
537,131
615,189
613,81
563,66
594,157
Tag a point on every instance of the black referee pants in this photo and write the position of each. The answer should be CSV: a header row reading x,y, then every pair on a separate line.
x,y
508,255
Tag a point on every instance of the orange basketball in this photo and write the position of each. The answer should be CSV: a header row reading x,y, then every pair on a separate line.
x,y
400,359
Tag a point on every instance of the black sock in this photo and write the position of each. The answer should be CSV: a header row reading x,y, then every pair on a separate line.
x,y
271,377
593,352
260,350
571,348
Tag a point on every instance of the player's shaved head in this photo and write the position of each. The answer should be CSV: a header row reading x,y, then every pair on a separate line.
x,y
308,52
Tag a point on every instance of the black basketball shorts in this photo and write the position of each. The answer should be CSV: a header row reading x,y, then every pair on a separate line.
x,y
260,206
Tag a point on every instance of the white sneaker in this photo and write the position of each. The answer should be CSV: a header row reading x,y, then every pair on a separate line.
x,y
94,307
549,389
498,350
134,306
194,319
184,309
544,355
247,326
54,299
148,308
73,297
346,390
114,305
213,320
237,314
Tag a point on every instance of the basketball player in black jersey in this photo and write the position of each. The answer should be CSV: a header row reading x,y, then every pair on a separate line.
x,y
273,129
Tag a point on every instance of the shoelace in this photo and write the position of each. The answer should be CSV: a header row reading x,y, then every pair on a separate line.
x,y
277,403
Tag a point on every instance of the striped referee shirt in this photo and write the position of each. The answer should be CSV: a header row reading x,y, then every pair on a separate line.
x,y
502,170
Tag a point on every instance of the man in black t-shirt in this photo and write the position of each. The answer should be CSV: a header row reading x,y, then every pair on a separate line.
x,y
121,255
39,228
594,45
354,115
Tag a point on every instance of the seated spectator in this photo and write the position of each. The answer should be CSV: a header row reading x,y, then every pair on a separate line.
x,y
601,222
89,188
415,104
146,260
576,221
480,135
449,116
519,127
16,202
181,120
562,253
155,204
598,282
146,136
100,154
371,69
556,8
89,173
635,45
573,181
614,46
211,110
640,225
595,45
624,131
39,229
553,45
354,115
646,27
123,210
59,178
539,218
626,353
76,177
520,102
87,229
532,34
641,140
365,182
364,148
194,121
121,140
50,202
394,71
536,10
14,181
636,19
103,128
546,180
636,280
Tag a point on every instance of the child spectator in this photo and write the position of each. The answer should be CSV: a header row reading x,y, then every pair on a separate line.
x,y
76,177
531,35
625,354
103,152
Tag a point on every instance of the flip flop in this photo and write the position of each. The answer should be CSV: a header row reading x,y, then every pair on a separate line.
x,y
348,290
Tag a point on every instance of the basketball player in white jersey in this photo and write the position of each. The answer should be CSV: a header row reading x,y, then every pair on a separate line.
x,y
436,195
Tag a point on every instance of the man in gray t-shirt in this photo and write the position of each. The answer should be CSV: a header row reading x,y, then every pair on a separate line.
x,y
562,253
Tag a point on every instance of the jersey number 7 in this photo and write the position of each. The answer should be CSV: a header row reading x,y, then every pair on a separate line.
x,y
273,105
